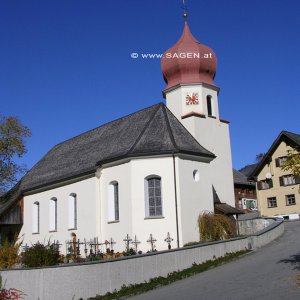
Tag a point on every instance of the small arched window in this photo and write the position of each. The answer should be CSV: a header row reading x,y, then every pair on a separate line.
x,y
113,201
36,217
153,197
72,211
53,214
209,105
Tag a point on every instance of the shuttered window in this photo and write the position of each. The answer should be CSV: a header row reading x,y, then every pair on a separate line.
x,y
280,161
265,184
288,180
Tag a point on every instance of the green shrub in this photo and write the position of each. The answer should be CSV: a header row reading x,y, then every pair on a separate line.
x,y
39,255
9,253
215,227
129,252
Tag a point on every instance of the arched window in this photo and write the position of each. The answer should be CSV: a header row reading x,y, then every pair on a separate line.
x,y
113,201
153,198
209,105
72,212
36,217
53,214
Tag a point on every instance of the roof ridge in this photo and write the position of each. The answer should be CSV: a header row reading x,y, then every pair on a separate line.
x,y
145,127
289,132
105,124
272,148
169,128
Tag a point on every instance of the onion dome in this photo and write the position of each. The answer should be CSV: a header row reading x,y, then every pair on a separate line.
x,y
188,61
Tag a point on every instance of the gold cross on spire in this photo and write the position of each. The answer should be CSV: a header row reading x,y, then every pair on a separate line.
x,y
184,9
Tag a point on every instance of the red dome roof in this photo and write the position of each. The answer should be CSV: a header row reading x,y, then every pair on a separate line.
x,y
188,61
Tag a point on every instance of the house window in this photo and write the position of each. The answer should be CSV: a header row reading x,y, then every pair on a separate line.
x,y
280,161
36,217
290,199
72,209
209,105
265,184
53,214
288,180
153,196
272,202
113,201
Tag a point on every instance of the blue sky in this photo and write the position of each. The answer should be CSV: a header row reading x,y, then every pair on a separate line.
x,y
65,65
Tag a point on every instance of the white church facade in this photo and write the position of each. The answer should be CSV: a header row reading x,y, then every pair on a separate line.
x,y
151,172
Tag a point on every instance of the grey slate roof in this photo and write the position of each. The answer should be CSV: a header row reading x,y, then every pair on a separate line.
x,y
290,138
227,209
151,131
247,170
240,179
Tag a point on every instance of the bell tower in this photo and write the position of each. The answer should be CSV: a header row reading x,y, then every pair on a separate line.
x,y
189,69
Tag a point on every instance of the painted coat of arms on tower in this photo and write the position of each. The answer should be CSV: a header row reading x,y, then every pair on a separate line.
x,y
191,99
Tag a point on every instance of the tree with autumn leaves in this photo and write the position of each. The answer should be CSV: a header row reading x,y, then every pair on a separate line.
x,y
292,162
12,145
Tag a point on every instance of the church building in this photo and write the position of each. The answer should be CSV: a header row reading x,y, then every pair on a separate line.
x,y
151,172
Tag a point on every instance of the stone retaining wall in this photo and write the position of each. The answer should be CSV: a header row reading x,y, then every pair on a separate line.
x,y
86,280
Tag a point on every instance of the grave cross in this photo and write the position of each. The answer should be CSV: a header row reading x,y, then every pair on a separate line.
x,y
127,241
135,242
111,243
152,240
168,240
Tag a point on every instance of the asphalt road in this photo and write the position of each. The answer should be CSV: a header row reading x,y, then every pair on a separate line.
x,y
268,273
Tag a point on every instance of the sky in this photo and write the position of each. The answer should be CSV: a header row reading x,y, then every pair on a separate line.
x,y
66,66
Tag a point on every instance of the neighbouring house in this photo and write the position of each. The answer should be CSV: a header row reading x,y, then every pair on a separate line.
x,y
151,172
244,191
247,170
278,190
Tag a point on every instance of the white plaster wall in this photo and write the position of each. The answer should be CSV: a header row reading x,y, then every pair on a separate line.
x,y
159,227
210,132
86,213
117,230
194,197
176,100
214,136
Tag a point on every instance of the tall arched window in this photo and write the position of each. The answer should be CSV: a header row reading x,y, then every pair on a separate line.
x,y
53,214
72,212
113,201
36,217
153,201
209,105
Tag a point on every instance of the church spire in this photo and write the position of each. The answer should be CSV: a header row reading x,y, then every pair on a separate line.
x,y
188,62
184,7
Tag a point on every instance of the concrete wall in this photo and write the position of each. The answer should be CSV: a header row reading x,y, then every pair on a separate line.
x,y
87,280
248,227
